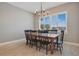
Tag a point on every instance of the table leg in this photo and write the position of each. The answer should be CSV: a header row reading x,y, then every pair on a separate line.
x,y
52,47
57,42
27,41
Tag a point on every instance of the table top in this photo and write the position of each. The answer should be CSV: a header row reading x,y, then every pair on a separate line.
x,y
45,35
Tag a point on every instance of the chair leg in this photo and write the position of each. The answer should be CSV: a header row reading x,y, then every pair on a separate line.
x,y
61,48
46,49
36,45
40,46
60,51
30,44
26,42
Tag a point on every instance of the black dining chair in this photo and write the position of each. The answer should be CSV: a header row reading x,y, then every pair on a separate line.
x,y
44,42
59,42
56,39
33,38
29,37
26,36
37,39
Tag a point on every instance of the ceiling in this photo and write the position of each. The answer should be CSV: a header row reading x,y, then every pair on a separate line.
x,y
32,6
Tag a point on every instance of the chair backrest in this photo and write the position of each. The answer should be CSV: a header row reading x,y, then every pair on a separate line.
x,y
61,37
43,38
42,31
33,31
45,31
26,34
53,31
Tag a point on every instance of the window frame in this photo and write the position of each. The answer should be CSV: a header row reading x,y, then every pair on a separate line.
x,y
56,14
40,21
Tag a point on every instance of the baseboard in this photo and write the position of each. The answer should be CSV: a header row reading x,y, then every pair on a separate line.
x,y
65,42
4,43
71,43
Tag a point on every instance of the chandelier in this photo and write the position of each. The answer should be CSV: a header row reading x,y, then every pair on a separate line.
x,y
42,12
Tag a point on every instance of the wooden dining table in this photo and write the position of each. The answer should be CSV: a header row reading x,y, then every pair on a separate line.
x,y
51,37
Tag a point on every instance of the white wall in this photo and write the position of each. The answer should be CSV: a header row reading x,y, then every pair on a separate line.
x,y
13,22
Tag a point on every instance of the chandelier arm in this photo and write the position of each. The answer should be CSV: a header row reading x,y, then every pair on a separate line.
x,y
41,10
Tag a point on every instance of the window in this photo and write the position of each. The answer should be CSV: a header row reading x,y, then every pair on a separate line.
x,y
44,22
53,21
62,19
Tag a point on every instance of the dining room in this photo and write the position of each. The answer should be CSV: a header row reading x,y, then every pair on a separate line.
x,y
42,29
